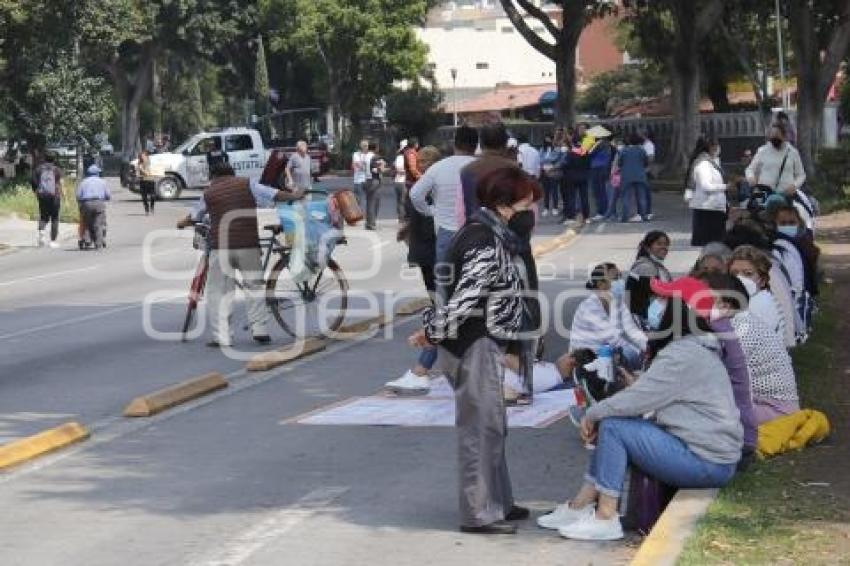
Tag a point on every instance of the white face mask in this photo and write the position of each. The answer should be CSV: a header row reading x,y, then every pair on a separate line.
x,y
750,285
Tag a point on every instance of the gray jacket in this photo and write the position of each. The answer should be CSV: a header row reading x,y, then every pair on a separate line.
x,y
690,392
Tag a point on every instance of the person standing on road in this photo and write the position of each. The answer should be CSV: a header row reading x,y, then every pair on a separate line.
x,y
482,316
412,171
600,171
649,147
578,176
529,158
377,164
47,185
708,203
399,183
552,161
231,203
632,163
299,168
441,184
92,195
147,187
421,237
360,161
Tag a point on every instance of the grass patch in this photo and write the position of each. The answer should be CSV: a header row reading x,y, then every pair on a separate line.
x,y
772,514
16,197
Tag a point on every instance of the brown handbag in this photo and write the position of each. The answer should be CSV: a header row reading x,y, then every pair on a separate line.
x,y
348,206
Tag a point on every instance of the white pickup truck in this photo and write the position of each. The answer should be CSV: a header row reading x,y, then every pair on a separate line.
x,y
186,166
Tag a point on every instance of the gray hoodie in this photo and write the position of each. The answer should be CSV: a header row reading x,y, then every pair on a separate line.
x,y
690,392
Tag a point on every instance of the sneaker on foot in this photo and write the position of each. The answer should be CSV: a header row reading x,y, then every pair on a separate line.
x,y
562,516
590,527
54,245
545,213
409,384
597,218
569,222
636,218
650,216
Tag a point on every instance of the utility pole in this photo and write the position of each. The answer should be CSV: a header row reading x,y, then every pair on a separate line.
x,y
454,94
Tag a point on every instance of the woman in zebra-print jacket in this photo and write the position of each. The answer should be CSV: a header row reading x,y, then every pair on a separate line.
x,y
479,316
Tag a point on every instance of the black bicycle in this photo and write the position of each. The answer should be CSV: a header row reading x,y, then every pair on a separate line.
x,y
310,302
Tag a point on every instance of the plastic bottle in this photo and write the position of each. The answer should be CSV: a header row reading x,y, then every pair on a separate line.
x,y
605,362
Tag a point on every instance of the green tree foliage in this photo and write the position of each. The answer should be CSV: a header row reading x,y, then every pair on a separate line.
x,y
357,48
414,111
630,82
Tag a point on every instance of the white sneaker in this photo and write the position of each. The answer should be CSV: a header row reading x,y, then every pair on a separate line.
x,y
597,218
54,245
650,216
569,222
545,213
562,516
636,218
409,384
590,527
42,239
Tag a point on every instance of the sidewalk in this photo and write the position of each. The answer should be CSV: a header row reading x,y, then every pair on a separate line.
x,y
18,233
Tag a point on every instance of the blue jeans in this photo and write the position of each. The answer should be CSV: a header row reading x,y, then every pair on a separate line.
x,y
657,453
640,190
551,188
428,357
598,184
360,195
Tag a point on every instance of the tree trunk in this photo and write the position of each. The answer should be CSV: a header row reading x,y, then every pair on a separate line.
x,y
565,76
133,87
809,123
685,100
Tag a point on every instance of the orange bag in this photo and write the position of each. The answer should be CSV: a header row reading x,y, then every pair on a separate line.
x,y
348,206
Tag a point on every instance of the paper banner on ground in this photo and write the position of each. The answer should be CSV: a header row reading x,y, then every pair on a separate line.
x,y
546,409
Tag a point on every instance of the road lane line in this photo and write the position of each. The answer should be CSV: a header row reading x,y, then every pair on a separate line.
x,y
66,322
247,543
48,275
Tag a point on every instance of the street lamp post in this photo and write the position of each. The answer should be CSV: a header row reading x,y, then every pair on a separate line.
x,y
454,94
786,99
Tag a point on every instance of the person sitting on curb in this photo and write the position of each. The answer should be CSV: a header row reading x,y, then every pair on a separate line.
x,y
652,251
694,436
604,318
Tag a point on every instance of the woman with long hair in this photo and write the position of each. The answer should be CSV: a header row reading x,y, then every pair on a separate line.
x,y
652,251
708,203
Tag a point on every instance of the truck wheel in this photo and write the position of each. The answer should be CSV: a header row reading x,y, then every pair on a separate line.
x,y
168,188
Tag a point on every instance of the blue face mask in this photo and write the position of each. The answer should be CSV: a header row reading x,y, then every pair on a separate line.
x,y
790,231
618,288
655,312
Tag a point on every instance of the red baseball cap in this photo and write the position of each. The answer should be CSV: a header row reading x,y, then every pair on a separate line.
x,y
696,294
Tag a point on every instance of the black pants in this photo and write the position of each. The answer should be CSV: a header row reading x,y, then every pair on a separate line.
x,y
148,192
373,202
48,211
708,226
400,196
574,193
93,216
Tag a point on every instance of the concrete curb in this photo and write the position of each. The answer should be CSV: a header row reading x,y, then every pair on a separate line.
x,y
413,306
555,243
356,329
678,522
276,358
50,440
163,399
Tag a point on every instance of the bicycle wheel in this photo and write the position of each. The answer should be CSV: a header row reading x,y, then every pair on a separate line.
x,y
312,307
196,290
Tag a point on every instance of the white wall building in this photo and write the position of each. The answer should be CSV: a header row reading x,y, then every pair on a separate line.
x,y
482,44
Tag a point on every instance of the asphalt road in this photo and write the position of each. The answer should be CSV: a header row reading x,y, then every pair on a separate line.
x,y
225,480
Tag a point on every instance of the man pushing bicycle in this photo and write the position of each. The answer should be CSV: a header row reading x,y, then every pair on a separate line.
x,y
231,203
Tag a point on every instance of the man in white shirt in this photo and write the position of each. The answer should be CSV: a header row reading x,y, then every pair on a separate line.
x,y
441,182
529,158
360,162
399,181
777,165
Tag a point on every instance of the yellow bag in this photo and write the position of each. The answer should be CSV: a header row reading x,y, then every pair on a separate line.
x,y
792,432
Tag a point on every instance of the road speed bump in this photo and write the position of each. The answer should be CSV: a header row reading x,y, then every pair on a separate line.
x,y
275,358
31,447
355,329
163,399
413,306
553,244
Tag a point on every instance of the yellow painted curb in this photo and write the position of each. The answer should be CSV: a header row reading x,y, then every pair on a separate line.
x,y
413,306
275,358
555,243
667,538
163,399
25,449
